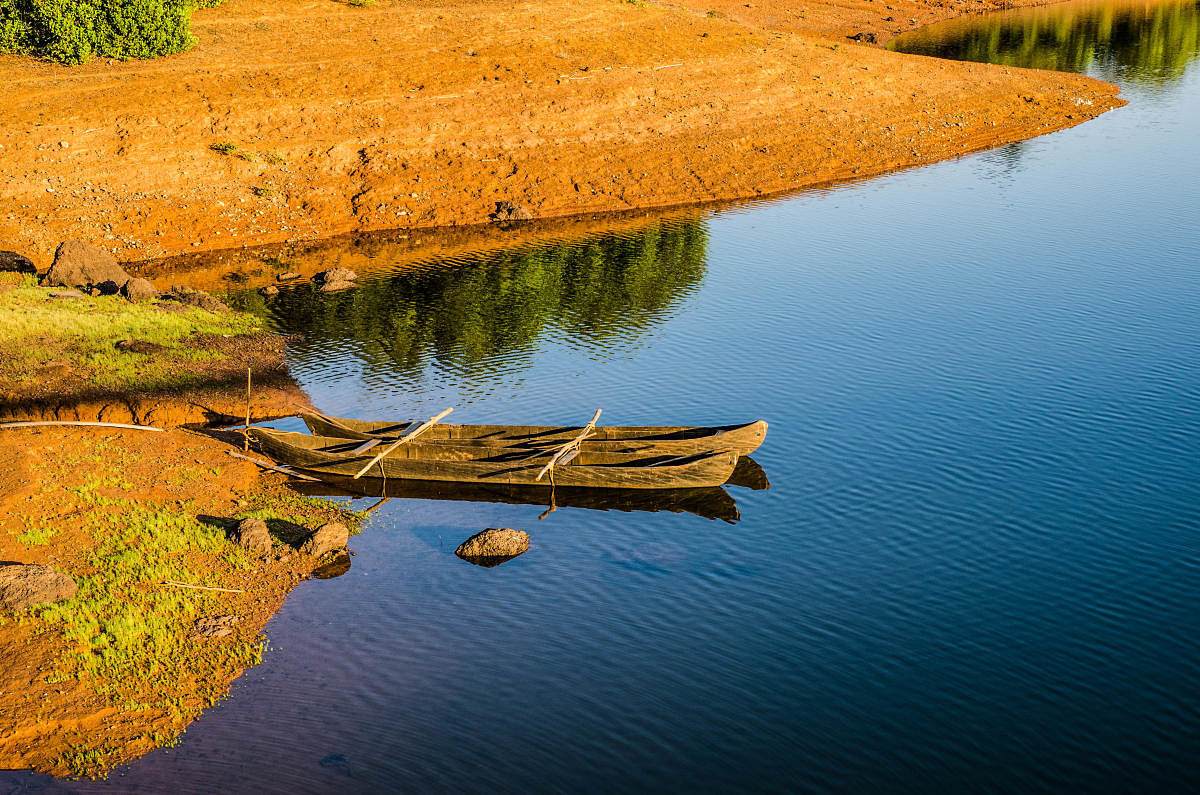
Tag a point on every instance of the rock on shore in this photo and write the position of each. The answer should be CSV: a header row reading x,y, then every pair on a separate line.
x,y
327,538
22,585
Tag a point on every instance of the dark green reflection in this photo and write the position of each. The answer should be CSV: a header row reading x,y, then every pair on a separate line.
x,y
1148,43
464,314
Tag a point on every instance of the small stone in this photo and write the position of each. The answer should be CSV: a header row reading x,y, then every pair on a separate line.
x,y
270,291
22,585
287,277
190,297
494,545
139,346
327,538
508,211
252,535
214,626
864,38
139,290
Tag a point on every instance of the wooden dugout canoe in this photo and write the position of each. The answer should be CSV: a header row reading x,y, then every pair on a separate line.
x,y
666,439
474,463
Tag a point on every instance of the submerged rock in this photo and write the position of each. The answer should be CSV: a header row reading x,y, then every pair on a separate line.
x,y
22,585
252,535
508,211
336,275
327,538
493,546
79,264
269,291
334,287
12,262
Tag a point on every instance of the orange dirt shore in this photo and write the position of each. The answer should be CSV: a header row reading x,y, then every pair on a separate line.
x,y
420,115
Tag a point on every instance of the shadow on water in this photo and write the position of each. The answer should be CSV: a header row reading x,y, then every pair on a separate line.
x,y
475,314
1146,44
709,503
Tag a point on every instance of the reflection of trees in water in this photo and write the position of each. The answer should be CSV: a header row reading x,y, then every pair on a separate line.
x,y
1151,43
599,292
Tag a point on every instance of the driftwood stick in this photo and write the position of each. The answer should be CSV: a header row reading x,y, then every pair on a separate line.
x,y
429,423
201,587
565,452
73,422
282,470
376,505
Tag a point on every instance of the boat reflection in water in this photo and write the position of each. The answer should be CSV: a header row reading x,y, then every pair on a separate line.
x,y
709,503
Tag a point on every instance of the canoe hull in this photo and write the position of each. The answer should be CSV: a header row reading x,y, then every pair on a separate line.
x,y
513,467
676,440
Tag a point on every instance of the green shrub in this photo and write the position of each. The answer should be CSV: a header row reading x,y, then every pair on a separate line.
x,y
72,31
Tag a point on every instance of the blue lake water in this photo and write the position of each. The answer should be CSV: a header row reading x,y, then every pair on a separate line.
x,y
977,566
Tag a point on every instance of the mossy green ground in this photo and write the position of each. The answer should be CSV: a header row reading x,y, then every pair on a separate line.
x,y
127,636
44,339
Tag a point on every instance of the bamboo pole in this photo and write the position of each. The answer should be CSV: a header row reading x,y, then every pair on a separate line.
x,y
429,423
571,449
282,470
74,422
201,587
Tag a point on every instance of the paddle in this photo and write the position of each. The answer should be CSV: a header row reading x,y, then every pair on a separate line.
x,y
429,423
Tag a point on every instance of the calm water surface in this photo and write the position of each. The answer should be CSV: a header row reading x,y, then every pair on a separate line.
x,y
978,565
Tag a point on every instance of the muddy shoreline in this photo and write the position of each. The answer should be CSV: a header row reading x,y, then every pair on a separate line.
x,y
581,109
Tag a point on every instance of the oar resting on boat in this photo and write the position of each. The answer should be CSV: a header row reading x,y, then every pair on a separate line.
x,y
676,439
474,463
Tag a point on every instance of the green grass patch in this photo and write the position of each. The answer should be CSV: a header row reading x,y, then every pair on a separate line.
x,y
78,336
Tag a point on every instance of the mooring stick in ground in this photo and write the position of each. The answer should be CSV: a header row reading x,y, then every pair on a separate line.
x,y
571,448
429,423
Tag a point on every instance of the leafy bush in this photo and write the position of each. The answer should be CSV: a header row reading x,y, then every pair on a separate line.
x,y
72,31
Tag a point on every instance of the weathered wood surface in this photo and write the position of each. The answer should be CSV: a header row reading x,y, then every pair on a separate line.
x,y
473,463
677,439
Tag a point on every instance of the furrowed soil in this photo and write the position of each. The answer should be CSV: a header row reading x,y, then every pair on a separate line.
x,y
329,118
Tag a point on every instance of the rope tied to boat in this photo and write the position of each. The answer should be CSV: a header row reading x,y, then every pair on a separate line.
x,y
568,451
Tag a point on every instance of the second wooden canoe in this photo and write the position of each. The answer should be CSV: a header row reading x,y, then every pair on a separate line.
x,y
676,440
473,463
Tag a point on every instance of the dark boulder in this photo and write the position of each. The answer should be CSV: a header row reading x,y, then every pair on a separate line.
x,y
22,585
12,262
79,264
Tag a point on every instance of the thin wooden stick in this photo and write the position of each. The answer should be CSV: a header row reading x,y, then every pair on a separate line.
x,y
246,431
570,446
282,470
376,505
69,422
406,437
201,587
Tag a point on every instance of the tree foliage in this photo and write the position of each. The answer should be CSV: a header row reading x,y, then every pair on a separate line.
x,y
72,31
